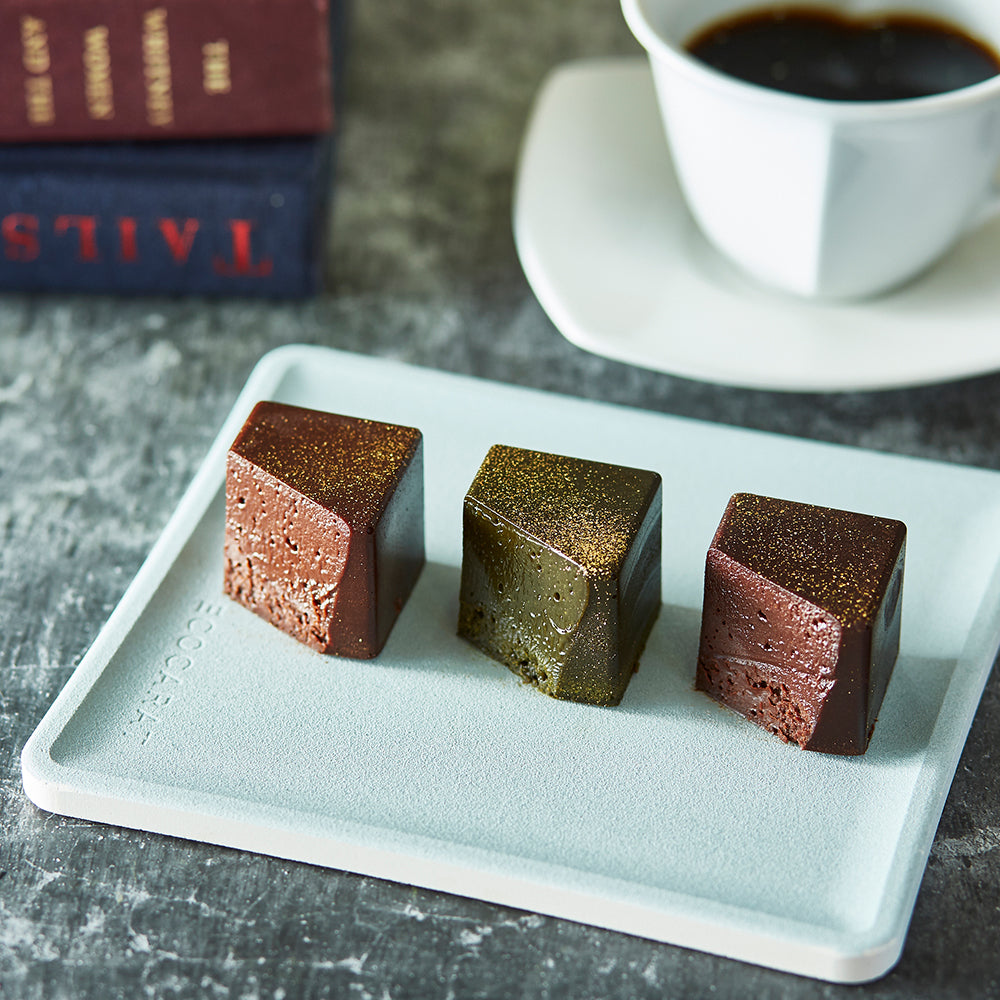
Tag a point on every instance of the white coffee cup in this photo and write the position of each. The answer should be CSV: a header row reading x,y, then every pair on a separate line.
x,y
832,199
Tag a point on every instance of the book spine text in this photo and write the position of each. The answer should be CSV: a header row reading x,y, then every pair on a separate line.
x,y
117,69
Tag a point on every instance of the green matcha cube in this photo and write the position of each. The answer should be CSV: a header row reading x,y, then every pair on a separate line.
x,y
561,570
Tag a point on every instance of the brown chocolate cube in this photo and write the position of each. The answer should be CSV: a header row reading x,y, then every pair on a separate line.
x,y
800,625
324,524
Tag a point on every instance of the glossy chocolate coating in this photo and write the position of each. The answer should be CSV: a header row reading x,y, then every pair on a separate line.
x,y
561,570
800,624
324,524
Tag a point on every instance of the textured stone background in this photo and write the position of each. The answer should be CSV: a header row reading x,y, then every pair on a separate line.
x,y
108,406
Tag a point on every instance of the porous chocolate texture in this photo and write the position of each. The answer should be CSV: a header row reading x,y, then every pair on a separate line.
x,y
561,570
800,625
324,524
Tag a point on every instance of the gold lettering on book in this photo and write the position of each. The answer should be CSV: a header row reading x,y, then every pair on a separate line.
x,y
39,99
34,45
97,73
156,67
215,75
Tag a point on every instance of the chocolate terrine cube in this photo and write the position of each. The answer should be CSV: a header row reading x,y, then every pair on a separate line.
x,y
324,524
800,625
561,570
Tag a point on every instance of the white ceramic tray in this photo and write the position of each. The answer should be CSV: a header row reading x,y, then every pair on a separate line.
x,y
667,817
610,250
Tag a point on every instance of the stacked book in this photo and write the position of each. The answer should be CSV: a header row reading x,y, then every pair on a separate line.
x,y
168,146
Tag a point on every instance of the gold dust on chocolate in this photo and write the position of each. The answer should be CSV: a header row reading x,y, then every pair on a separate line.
x,y
324,524
836,559
589,511
561,570
801,619
334,460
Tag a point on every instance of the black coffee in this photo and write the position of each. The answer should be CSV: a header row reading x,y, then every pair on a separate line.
x,y
820,53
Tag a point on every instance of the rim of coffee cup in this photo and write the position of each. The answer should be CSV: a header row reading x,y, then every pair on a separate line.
x,y
679,59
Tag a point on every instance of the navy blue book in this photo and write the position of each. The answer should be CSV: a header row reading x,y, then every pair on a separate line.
x,y
226,217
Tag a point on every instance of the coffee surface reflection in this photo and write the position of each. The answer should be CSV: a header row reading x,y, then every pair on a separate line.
x,y
820,53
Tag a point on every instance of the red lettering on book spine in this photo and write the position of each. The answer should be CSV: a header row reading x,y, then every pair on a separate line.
x,y
178,241
20,236
86,225
242,264
128,250
22,239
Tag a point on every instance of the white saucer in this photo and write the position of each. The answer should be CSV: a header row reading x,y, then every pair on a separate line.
x,y
618,265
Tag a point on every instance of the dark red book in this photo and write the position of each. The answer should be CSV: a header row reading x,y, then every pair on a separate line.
x,y
142,69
